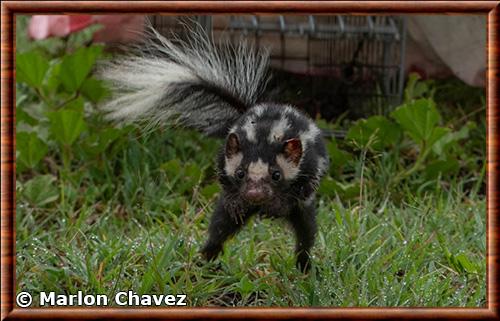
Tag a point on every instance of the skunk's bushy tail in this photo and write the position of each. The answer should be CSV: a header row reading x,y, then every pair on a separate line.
x,y
191,82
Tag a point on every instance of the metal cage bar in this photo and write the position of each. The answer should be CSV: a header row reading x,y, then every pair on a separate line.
x,y
366,53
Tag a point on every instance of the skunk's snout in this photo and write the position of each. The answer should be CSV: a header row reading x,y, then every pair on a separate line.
x,y
257,192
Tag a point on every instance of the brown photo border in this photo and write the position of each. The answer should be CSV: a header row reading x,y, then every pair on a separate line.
x,y
10,8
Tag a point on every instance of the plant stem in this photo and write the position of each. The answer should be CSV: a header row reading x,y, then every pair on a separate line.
x,y
74,97
43,98
416,166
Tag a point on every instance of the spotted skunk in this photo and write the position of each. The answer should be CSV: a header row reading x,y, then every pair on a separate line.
x,y
273,156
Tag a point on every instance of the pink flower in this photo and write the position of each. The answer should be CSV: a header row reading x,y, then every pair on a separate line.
x,y
42,27
116,28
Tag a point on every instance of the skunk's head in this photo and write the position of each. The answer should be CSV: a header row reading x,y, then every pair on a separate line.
x,y
262,172
269,150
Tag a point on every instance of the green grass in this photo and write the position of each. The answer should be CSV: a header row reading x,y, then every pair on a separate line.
x,y
121,224
402,211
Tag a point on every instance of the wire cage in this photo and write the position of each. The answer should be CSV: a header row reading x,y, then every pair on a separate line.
x,y
330,64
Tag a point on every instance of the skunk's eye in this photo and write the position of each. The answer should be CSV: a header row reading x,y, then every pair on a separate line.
x,y
240,173
276,175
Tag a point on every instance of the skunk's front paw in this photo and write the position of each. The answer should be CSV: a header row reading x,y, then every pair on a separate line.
x,y
303,262
211,251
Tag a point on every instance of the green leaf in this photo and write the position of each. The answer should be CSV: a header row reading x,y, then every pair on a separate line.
x,y
52,80
40,190
464,262
160,260
449,139
436,135
175,204
416,88
460,262
76,67
348,190
194,171
172,168
66,125
22,97
31,68
94,90
41,131
210,190
174,171
330,187
35,109
418,118
22,116
432,170
191,176
30,148
245,286
338,157
98,142
379,129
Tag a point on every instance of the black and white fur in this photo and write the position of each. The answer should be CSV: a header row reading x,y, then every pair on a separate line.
x,y
274,155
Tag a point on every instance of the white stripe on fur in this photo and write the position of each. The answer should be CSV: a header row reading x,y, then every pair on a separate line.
x,y
249,129
233,163
289,169
278,129
258,170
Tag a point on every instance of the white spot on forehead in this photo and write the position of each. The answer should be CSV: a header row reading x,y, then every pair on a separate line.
x,y
233,163
278,129
309,135
290,170
249,129
259,110
258,170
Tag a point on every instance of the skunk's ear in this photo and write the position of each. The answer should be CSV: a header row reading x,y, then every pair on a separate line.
x,y
232,145
293,150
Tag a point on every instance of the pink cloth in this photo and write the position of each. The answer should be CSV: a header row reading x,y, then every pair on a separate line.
x,y
117,28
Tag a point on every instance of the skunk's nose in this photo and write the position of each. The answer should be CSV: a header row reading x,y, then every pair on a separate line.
x,y
255,195
257,192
